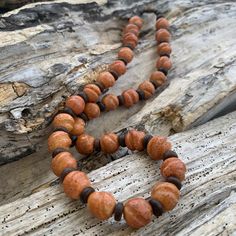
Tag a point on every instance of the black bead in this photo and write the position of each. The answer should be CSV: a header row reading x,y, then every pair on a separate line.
x,y
159,16
121,139
154,83
156,207
118,211
65,172
165,72
61,129
57,151
73,139
83,95
169,154
101,106
174,180
114,74
121,100
165,55
85,194
97,145
122,59
129,46
69,111
84,117
141,94
146,139
101,87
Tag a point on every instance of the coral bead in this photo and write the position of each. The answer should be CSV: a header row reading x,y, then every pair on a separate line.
x,y
163,35
109,143
61,161
157,146
164,63
137,212
130,97
130,38
101,204
92,91
59,139
110,101
164,49
74,183
167,194
134,140
137,21
78,127
106,79
173,167
158,78
118,67
92,110
63,120
76,104
126,54
131,28
85,144
162,23
148,89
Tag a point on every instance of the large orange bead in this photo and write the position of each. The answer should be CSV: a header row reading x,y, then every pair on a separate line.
x,y
173,167
163,35
164,49
63,120
61,161
126,54
74,183
130,38
131,28
167,194
106,79
157,146
158,78
101,204
130,97
110,101
137,212
164,63
78,127
92,110
109,143
92,91
59,139
134,140
76,104
162,23
148,89
137,21
85,144
118,67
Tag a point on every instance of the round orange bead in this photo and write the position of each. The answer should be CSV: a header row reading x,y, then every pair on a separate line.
x,y
137,21
163,35
85,144
74,183
126,54
118,67
167,194
92,91
164,63
61,161
63,120
110,101
106,79
164,49
101,204
157,146
92,110
158,78
76,104
134,140
162,23
130,97
109,143
131,28
173,167
137,212
148,89
59,139
78,127
130,38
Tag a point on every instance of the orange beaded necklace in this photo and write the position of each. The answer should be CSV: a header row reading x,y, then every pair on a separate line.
x,y
69,130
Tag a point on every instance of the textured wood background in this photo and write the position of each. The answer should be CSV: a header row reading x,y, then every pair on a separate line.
x,y
50,50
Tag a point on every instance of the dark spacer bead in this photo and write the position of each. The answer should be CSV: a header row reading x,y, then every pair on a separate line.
x,y
83,95
169,154
165,55
102,88
67,110
114,74
159,16
121,100
165,72
122,59
175,181
97,146
84,117
156,207
146,139
85,194
121,139
140,94
73,139
65,172
101,106
118,211
61,129
57,151
129,46
154,84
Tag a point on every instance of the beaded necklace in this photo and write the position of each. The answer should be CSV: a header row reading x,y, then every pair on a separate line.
x,y
69,131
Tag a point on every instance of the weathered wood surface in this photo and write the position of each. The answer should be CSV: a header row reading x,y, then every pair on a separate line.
x,y
207,205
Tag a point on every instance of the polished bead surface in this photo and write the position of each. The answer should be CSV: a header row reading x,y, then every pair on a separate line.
x,y
162,23
110,101
163,35
85,144
134,140
109,143
158,78
92,91
63,120
131,28
164,62
92,110
131,97
59,139
130,38
164,49
118,67
137,21
78,127
148,89
106,79
76,104
126,53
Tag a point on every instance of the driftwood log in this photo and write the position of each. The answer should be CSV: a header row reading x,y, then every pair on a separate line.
x,y
50,50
